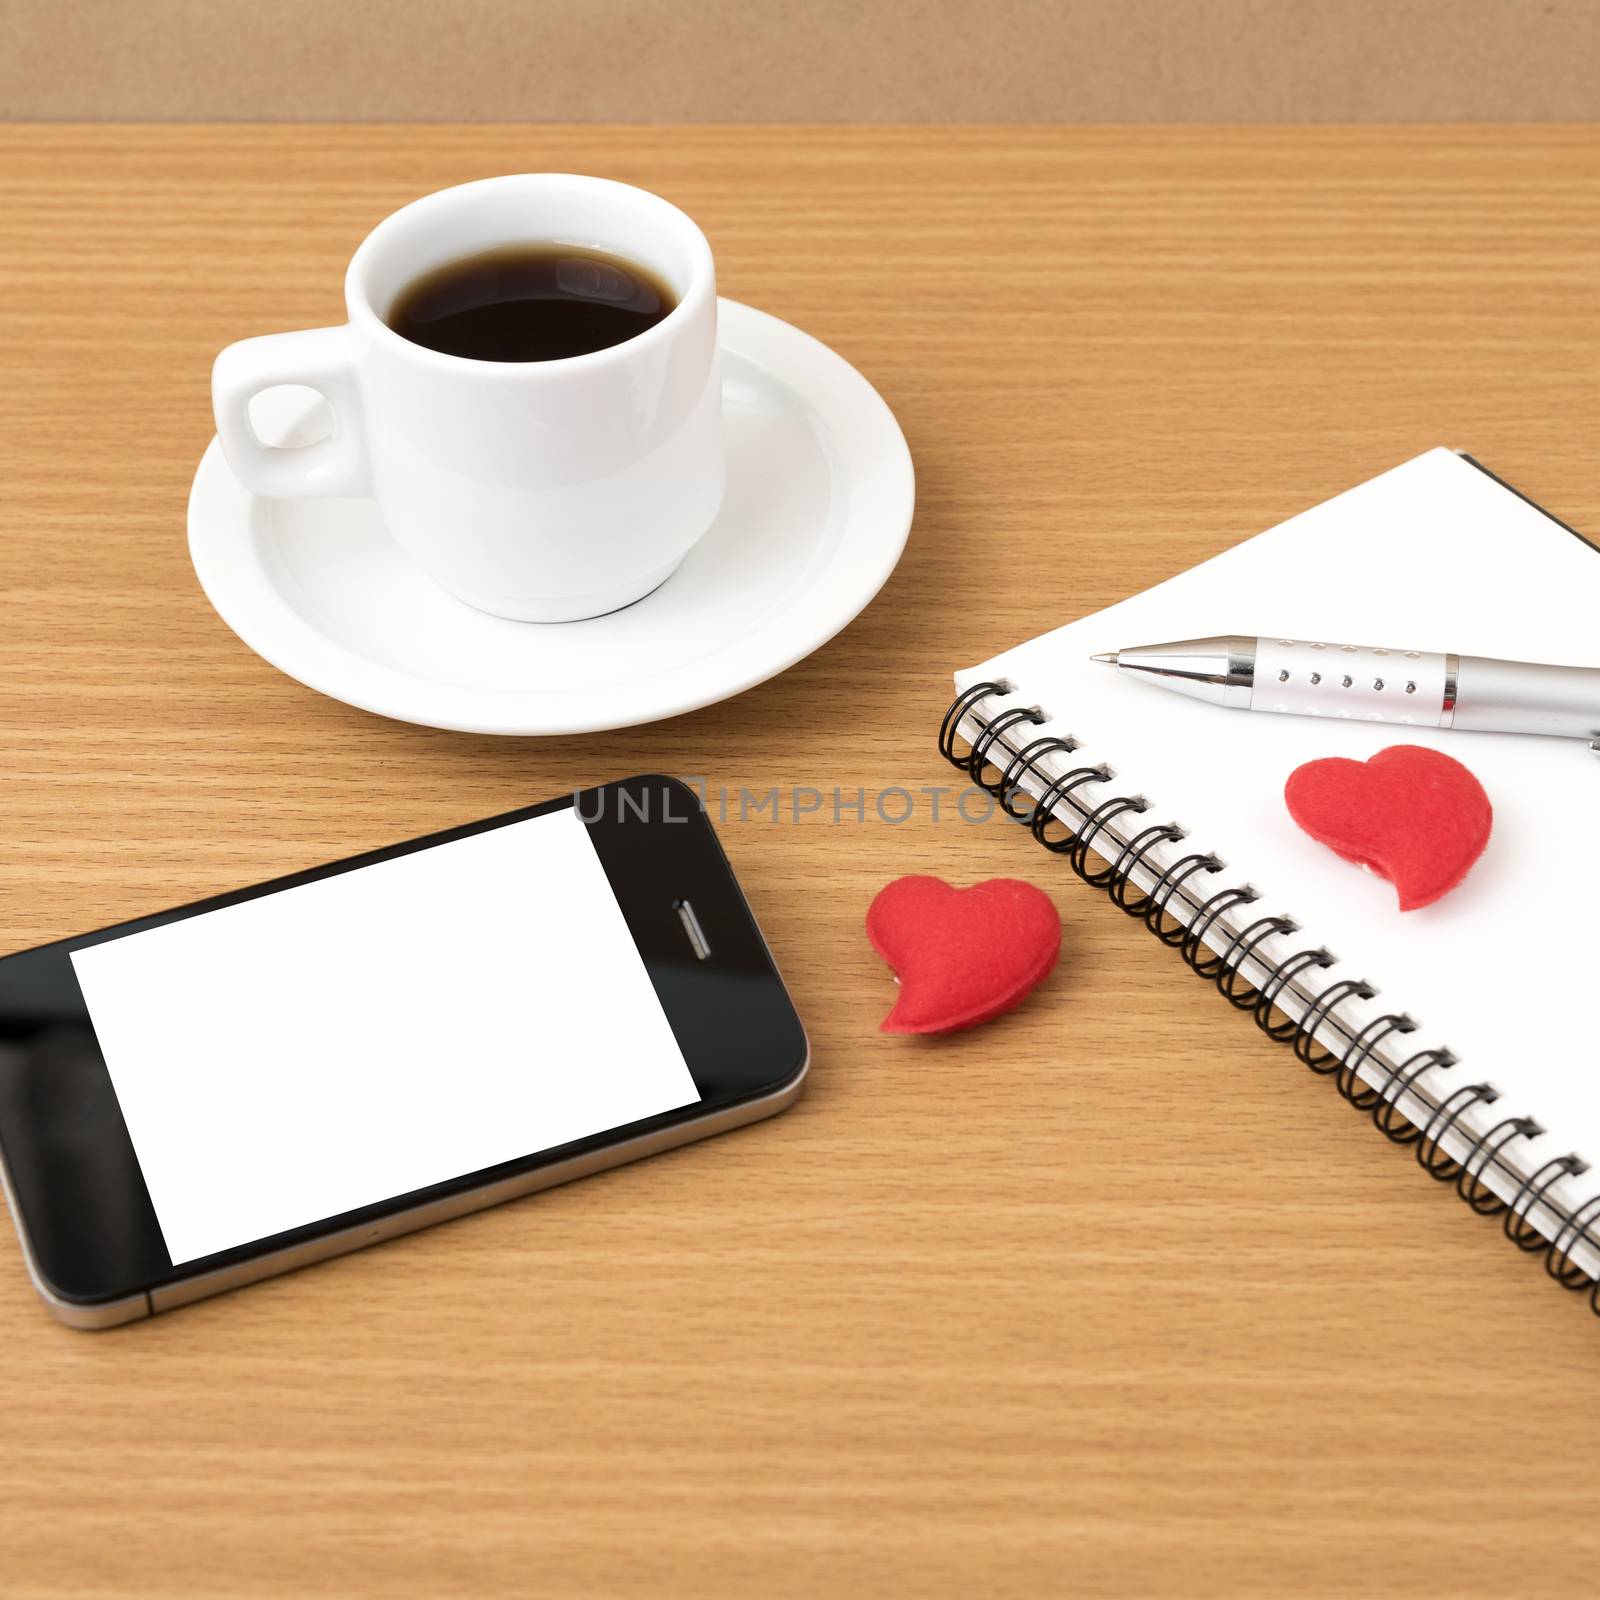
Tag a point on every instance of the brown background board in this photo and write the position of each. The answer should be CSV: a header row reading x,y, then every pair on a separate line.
x,y
823,60
1110,1298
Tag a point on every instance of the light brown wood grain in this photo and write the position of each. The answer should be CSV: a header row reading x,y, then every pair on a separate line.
x,y
762,61
1109,1297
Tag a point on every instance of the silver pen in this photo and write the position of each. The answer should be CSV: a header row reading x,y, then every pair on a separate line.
x,y
1422,688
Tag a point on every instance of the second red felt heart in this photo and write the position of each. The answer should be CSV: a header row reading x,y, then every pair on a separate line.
x,y
962,955
1414,815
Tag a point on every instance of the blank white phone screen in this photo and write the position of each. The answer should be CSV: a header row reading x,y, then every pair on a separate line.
x,y
326,1047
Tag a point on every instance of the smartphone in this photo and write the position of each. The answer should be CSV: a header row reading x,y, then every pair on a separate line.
x,y
199,1099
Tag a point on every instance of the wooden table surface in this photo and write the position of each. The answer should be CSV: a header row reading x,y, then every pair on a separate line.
x,y
1109,1297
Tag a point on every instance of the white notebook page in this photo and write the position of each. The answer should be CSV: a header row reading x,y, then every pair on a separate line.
x,y
1433,555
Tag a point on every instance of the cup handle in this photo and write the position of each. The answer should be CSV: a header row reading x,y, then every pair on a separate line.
x,y
321,359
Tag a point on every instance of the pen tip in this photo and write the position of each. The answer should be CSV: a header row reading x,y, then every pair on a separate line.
x,y
1110,658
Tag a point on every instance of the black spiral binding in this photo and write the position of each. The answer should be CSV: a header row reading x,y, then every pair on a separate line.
x,y
1381,1102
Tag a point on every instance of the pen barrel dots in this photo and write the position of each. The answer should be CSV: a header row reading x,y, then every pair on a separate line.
x,y
1363,682
1425,689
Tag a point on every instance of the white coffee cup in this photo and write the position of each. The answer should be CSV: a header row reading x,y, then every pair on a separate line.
x,y
545,491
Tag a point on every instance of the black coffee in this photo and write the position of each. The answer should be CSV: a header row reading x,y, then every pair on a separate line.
x,y
531,302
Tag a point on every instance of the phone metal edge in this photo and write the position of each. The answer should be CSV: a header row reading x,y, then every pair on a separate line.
x,y
101,1314
169,1297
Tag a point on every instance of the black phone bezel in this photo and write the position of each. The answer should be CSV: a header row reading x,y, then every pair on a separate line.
x,y
82,1204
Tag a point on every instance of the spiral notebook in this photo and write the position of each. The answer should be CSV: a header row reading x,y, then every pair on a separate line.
x,y
1465,1031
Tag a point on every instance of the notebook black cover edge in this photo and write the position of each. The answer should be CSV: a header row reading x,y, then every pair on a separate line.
x,y
1529,500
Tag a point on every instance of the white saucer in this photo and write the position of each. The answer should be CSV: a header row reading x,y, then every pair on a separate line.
x,y
820,491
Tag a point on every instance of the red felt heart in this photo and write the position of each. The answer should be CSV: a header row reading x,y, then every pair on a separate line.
x,y
1416,817
962,955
